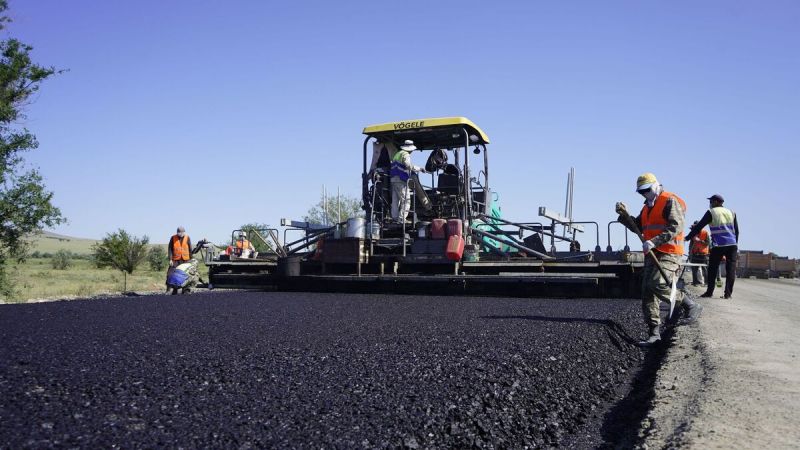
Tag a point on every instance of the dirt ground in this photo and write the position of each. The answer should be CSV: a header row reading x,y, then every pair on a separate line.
x,y
733,379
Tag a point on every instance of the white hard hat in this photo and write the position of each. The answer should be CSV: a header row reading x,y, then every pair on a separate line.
x,y
408,146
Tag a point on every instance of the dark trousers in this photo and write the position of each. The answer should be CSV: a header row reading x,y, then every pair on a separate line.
x,y
730,254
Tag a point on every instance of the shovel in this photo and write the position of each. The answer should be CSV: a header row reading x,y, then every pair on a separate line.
x,y
673,281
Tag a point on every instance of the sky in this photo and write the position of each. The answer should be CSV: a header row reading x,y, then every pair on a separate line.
x,y
214,114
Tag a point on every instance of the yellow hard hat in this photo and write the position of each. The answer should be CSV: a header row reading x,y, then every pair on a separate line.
x,y
645,180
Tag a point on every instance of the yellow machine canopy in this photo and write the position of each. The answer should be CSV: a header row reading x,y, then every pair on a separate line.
x,y
442,132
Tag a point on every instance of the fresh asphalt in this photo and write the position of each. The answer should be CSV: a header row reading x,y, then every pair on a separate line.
x,y
297,370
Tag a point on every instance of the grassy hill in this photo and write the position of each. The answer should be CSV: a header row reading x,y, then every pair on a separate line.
x,y
49,242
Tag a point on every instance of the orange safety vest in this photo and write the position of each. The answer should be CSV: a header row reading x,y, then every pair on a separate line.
x,y
700,243
653,223
180,248
240,245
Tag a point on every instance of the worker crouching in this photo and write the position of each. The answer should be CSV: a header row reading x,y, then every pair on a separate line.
x,y
661,222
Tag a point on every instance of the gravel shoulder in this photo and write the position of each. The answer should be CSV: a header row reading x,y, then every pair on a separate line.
x,y
733,379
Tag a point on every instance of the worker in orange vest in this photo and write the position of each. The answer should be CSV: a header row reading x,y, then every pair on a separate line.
x,y
661,222
244,248
698,254
180,248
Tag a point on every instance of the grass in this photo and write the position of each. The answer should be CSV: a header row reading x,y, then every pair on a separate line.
x,y
36,279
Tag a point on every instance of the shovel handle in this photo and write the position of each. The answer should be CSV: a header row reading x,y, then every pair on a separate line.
x,y
624,214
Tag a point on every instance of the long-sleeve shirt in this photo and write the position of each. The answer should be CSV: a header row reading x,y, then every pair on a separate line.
x,y
707,220
674,216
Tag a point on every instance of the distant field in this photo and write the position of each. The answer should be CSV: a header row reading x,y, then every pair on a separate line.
x,y
36,279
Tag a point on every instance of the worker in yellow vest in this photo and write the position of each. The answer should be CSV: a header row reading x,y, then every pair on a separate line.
x,y
180,248
661,222
725,242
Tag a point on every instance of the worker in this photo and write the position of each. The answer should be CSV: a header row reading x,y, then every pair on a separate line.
x,y
400,172
725,242
244,248
179,248
661,222
698,254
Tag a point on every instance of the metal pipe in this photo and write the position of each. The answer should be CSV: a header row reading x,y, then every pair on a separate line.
x,y
308,234
512,244
596,228
365,181
306,245
488,191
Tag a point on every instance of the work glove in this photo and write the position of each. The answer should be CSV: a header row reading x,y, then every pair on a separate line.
x,y
621,208
647,246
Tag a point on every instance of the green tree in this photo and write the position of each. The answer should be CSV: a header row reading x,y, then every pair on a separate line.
x,y
157,258
336,211
122,251
62,260
25,203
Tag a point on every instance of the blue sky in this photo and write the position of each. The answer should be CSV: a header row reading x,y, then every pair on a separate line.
x,y
213,114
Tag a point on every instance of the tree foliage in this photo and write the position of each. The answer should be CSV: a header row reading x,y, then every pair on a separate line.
x,y
25,204
120,250
157,258
336,210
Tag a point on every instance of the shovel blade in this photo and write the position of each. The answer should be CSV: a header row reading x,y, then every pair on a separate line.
x,y
672,294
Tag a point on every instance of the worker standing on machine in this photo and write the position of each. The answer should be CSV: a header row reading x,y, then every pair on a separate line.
x,y
661,222
179,248
244,248
725,237
698,254
400,172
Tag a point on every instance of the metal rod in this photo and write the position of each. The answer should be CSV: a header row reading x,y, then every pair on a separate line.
x,y
512,244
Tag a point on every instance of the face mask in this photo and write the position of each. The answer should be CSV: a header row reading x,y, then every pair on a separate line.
x,y
181,234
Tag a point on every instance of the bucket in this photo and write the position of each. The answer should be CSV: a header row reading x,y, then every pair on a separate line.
x,y
289,266
356,227
375,230
422,230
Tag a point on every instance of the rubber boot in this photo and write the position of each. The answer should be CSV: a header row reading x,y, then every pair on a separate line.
x,y
654,337
693,310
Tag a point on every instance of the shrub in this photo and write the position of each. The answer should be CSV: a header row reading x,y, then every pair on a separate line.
x,y
157,258
121,251
62,260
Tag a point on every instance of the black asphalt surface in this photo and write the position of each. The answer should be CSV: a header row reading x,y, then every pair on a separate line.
x,y
280,370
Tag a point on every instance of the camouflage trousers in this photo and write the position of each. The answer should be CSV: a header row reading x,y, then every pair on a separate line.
x,y
655,289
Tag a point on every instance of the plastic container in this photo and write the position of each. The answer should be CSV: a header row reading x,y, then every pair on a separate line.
x,y
422,230
356,227
454,227
438,227
455,248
